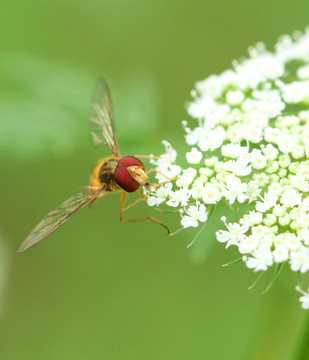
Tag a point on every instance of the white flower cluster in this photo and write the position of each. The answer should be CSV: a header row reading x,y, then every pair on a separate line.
x,y
250,144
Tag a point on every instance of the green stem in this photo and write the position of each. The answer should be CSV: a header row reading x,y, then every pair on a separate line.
x,y
274,278
197,235
257,280
177,231
210,213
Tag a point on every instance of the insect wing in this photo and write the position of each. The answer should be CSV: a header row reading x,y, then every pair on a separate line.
x,y
102,126
54,219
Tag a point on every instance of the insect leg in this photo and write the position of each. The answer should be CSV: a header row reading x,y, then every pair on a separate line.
x,y
144,197
159,172
141,194
123,198
148,156
152,156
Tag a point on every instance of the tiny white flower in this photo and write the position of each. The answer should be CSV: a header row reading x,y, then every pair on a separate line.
x,y
285,143
269,201
279,210
303,234
186,178
295,92
288,240
270,152
302,221
305,204
298,151
234,151
272,135
159,195
284,220
258,160
215,139
211,194
197,187
272,167
303,72
253,133
169,156
179,197
234,234
299,260
211,86
248,244
212,161
234,133
253,218
206,172
280,254
193,136
303,299
238,167
304,115
270,220
171,172
195,213
234,97
290,198
194,156
234,189
260,260
275,188
284,160
253,190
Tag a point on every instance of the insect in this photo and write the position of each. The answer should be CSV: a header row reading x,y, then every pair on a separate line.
x,y
114,173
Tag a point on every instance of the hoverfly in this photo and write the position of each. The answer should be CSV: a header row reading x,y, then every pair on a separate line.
x,y
114,173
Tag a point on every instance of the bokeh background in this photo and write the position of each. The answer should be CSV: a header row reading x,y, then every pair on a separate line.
x,y
98,288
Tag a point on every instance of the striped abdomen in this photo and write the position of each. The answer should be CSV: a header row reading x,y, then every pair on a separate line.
x,y
103,174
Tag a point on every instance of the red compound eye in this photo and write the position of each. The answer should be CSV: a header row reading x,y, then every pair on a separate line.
x,y
122,175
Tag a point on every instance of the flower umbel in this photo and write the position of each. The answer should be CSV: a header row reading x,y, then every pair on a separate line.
x,y
250,145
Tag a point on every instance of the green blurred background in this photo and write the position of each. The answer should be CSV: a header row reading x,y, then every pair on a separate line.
x,y
98,288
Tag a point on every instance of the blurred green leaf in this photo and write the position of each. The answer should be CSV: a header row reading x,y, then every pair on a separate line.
x,y
44,106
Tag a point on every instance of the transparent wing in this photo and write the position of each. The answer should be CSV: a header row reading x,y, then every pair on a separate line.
x,y
102,126
58,217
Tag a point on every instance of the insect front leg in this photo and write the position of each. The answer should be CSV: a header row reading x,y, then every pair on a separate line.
x,y
159,172
142,196
153,156
122,209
